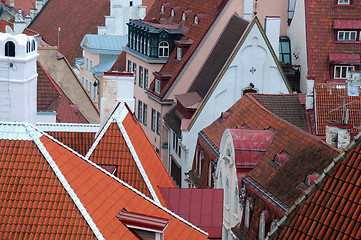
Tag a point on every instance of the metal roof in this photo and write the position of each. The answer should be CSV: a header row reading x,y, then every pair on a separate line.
x,y
104,43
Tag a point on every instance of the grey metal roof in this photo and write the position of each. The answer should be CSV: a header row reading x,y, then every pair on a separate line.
x,y
104,43
105,63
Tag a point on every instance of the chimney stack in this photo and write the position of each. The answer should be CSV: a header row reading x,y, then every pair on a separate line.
x,y
272,29
338,134
12,3
116,87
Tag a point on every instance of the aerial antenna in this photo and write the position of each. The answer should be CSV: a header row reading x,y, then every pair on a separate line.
x,y
58,38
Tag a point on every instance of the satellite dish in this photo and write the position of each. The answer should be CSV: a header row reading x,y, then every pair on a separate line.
x,y
8,29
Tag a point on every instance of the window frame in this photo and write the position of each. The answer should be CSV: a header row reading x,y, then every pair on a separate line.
x,y
153,120
158,123
344,33
86,63
140,110
340,2
135,72
140,76
163,49
146,75
145,114
158,86
342,67
129,66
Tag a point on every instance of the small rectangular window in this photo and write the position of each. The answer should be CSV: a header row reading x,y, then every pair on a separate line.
x,y
340,72
140,76
158,123
86,84
82,80
157,85
140,110
135,72
90,88
346,36
145,112
129,66
179,53
86,63
94,93
152,126
90,64
343,2
145,78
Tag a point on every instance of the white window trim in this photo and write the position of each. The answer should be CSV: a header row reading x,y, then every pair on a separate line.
x,y
344,33
162,47
157,85
179,53
343,2
352,68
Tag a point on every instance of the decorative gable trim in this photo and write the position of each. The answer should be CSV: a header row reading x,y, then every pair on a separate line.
x,y
254,22
35,135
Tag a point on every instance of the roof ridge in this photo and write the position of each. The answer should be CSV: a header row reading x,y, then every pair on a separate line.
x,y
136,159
67,127
123,183
36,138
318,183
253,99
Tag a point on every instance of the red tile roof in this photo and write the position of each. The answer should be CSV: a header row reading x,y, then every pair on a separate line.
x,y
249,113
210,10
75,19
50,97
60,194
25,5
4,23
329,99
325,25
202,207
332,209
123,143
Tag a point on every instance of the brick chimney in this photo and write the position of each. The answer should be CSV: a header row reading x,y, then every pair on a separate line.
x,y
338,134
116,87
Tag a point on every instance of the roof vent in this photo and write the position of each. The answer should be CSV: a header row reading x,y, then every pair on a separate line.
x,y
225,115
280,159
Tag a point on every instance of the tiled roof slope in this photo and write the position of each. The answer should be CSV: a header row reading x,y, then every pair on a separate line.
x,y
50,97
202,207
307,153
329,99
25,5
123,143
78,137
333,209
62,195
286,106
4,23
75,19
321,34
210,10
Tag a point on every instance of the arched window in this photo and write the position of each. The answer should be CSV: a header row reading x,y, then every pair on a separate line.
x,y
183,16
33,45
162,9
172,12
10,49
196,21
262,226
163,50
28,47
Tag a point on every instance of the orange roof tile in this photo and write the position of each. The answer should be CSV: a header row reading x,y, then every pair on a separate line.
x,y
329,99
337,216
66,195
122,142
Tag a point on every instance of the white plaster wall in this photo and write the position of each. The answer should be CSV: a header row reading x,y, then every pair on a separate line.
x,y
46,117
297,33
267,78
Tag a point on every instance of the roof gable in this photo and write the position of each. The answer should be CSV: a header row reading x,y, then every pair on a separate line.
x,y
124,141
254,30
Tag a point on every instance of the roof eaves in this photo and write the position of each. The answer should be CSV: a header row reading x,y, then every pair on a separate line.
x,y
36,134
68,127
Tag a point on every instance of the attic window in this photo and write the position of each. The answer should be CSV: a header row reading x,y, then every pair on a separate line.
x,y
183,16
280,159
144,226
196,21
343,2
172,13
157,86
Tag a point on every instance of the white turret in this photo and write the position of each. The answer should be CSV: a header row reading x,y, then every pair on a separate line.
x,y
18,78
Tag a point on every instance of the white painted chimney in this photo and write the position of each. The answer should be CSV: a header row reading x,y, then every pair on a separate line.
x,y
248,10
338,134
272,29
18,78
19,23
116,87
310,93
12,3
32,13
39,5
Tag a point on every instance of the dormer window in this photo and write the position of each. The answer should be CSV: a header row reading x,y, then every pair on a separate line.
x,y
163,49
172,13
346,35
183,16
196,20
179,53
343,2
162,8
157,86
10,49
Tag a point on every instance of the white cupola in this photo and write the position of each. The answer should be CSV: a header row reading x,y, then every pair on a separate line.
x,y
18,77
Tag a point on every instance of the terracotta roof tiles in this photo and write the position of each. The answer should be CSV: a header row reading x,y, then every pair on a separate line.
x,y
25,5
4,23
74,18
122,142
337,215
60,194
